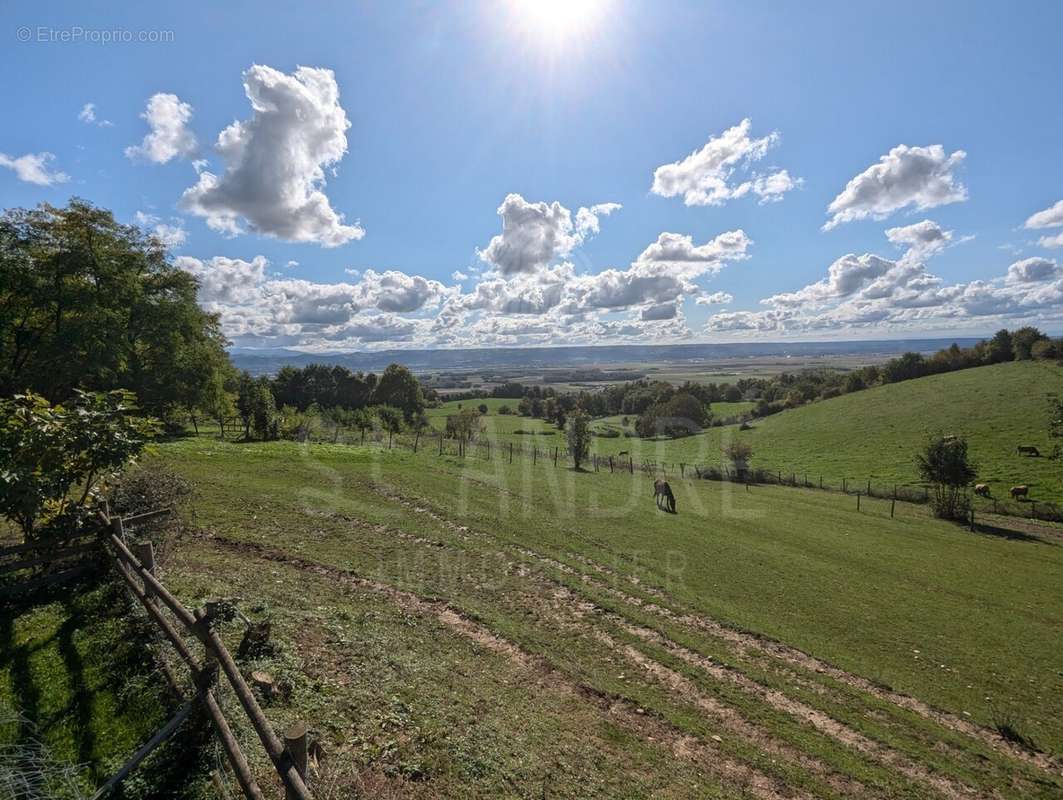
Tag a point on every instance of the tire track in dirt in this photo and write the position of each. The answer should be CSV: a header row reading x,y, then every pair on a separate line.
x,y
619,709
744,642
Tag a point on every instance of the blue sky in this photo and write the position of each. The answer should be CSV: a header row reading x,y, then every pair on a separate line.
x,y
946,116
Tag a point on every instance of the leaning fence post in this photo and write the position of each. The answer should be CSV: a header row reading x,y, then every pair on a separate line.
x,y
295,744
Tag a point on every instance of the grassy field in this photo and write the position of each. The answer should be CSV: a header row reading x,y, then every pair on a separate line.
x,y
75,665
465,627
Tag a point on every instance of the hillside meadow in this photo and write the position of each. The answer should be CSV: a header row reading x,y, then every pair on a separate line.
x,y
872,434
768,641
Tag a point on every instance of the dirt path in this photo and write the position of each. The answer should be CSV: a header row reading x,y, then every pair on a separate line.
x,y
620,710
745,642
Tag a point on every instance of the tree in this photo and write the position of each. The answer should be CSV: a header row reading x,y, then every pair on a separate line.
x,y
482,408
264,420
363,419
86,302
52,450
1023,340
578,433
218,403
944,464
1000,347
399,388
739,452
391,420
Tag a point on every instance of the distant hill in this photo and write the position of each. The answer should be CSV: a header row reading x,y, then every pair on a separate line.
x,y
875,433
268,361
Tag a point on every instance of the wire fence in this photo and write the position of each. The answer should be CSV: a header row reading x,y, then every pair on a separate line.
x,y
438,443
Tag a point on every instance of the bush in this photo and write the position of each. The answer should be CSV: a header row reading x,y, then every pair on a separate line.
x,y
147,488
505,410
578,433
944,464
738,452
482,408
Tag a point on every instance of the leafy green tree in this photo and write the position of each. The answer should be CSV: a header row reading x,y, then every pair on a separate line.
x,y
86,302
399,388
1000,347
578,433
739,452
1023,340
363,419
265,421
391,419
56,457
944,464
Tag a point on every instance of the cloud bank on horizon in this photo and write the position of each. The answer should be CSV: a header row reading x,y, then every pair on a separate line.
x,y
526,284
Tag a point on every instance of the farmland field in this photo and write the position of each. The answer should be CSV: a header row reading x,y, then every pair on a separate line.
x,y
471,627
874,434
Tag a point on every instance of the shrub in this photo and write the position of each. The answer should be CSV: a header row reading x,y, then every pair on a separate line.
x,y
52,452
482,408
738,452
505,410
944,464
148,487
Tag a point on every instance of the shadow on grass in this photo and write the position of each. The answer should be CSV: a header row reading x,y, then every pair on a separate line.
x,y
1009,534
104,687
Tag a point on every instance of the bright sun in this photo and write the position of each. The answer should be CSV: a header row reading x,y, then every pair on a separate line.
x,y
553,22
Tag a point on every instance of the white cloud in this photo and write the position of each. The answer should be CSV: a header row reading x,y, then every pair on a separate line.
x,y
256,307
458,275
169,138
925,235
705,177
870,292
33,168
1033,270
88,116
1051,217
1051,241
169,235
921,177
292,264
536,235
715,299
276,160
587,222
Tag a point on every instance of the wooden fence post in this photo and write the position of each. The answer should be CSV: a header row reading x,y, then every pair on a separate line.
x,y
845,488
631,465
820,481
145,553
416,440
535,455
893,505
555,456
511,452
610,465
858,501
295,744
682,470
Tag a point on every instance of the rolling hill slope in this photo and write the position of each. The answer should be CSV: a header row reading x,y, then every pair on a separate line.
x,y
875,433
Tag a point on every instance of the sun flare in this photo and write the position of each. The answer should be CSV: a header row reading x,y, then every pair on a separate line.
x,y
553,22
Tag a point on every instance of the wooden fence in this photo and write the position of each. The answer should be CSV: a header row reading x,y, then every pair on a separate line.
x,y
34,565
289,756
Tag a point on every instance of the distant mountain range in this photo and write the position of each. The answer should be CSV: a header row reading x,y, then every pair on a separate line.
x,y
268,361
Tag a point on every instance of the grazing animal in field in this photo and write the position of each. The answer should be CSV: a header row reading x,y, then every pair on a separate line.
x,y
1020,491
981,489
662,493
1028,450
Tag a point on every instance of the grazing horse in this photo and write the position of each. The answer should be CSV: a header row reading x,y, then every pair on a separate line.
x,y
981,489
662,493
1020,491
1029,450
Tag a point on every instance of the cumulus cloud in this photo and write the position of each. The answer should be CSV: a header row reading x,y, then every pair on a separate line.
x,y
170,235
88,116
167,116
276,160
1033,270
1051,217
1051,241
923,235
255,306
868,291
715,299
535,235
458,275
920,177
707,177
34,168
